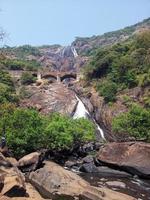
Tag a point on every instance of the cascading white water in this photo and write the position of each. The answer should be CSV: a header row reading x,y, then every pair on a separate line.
x,y
81,111
74,52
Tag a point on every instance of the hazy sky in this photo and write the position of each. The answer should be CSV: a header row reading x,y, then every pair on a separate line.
x,y
38,22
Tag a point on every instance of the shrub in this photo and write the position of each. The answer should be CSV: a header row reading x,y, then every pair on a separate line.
x,y
108,90
6,79
63,132
27,78
24,130
6,94
27,130
58,133
136,122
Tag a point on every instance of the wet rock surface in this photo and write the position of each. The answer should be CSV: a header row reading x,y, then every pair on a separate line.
x,y
138,188
133,157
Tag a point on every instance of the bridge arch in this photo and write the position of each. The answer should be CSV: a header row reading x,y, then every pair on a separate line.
x,y
67,76
48,76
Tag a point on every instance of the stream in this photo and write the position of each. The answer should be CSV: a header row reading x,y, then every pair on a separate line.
x,y
135,187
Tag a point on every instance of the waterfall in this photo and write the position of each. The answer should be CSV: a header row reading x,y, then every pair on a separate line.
x,y
81,111
74,52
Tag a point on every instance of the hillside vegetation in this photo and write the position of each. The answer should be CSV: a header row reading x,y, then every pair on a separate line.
x,y
121,67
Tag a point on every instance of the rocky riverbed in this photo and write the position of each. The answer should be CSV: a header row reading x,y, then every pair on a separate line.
x,y
99,177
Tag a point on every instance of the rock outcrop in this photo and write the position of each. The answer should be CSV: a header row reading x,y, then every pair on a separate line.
x,y
50,98
52,181
133,157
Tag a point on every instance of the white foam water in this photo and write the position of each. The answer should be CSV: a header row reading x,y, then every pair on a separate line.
x,y
82,112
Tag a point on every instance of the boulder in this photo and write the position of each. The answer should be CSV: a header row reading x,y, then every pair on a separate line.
x,y
118,184
70,164
12,161
12,181
53,181
31,161
32,194
133,157
4,198
88,165
89,168
108,172
4,161
88,159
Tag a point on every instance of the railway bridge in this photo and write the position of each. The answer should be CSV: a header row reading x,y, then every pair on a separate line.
x,y
55,75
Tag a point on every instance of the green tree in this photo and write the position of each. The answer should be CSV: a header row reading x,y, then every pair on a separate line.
x,y
24,129
136,122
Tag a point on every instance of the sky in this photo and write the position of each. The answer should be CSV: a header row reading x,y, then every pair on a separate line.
x,y
39,22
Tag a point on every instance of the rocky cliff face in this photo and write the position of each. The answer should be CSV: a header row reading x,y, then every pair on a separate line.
x,y
62,59
50,98
73,57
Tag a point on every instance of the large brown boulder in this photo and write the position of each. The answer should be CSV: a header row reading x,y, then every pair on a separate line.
x,y
53,181
30,162
12,182
133,157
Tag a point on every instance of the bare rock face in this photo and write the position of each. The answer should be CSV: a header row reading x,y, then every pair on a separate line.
x,y
133,157
53,181
50,98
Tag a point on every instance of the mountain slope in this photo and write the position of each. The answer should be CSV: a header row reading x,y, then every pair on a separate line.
x,y
85,45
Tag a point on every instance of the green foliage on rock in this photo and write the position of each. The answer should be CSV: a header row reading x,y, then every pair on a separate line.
x,y
24,130
6,79
27,130
27,78
22,52
7,90
108,90
135,122
18,64
63,132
